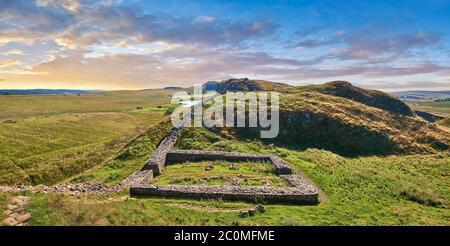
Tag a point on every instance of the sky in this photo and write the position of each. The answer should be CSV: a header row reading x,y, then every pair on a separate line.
x,y
136,44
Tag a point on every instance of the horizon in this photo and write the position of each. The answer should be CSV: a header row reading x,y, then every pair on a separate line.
x,y
94,90
135,45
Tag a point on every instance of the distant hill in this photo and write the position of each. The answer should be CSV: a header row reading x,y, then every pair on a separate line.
x,y
424,95
173,88
45,91
245,84
210,86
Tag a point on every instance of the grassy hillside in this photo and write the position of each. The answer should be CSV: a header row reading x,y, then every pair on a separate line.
x,y
48,138
439,108
371,98
445,122
353,128
348,120
130,159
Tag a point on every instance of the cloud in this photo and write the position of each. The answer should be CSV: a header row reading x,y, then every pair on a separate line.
x,y
306,31
76,24
314,43
15,52
9,63
109,43
173,67
70,5
373,45
23,20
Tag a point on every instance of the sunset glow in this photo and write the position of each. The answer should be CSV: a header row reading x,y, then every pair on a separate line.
x,y
113,44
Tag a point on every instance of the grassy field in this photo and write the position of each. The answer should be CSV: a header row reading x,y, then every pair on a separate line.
x,y
195,173
18,107
49,138
442,108
392,190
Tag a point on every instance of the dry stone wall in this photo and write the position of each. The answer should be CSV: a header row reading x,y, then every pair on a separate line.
x,y
157,161
291,195
203,155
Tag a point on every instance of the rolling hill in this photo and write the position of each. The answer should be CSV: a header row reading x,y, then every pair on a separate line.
x,y
345,119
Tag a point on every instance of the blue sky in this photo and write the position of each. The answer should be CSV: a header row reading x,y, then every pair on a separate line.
x,y
112,44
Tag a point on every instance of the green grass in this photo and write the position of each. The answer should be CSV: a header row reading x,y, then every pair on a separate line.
x,y
52,209
49,138
194,173
131,158
393,190
87,138
410,189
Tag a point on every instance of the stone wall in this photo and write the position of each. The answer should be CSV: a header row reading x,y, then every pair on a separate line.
x,y
157,161
201,155
280,166
291,195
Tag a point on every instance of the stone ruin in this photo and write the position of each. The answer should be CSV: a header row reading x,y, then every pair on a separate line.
x,y
302,190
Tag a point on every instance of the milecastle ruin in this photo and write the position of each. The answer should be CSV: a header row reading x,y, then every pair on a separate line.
x,y
302,190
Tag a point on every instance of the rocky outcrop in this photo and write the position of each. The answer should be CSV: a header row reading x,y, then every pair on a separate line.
x,y
16,214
